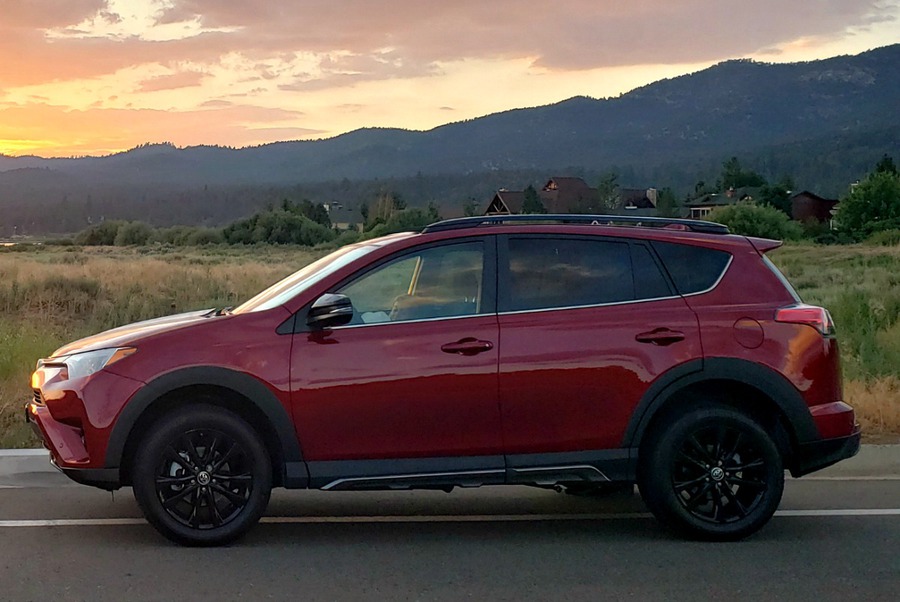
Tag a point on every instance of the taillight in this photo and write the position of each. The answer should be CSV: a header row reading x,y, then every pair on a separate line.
x,y
811,315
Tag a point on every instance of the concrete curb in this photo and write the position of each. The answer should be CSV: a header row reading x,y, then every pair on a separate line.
x,y
872,461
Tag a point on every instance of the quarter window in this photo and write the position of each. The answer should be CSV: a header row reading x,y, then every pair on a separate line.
x,y
437,282
693,269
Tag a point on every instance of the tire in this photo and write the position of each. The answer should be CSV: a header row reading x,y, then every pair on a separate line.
x,y
712,473
202,476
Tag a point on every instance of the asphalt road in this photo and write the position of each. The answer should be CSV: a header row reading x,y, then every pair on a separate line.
x,y
832,539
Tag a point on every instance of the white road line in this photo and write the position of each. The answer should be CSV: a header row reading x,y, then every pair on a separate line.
x,y
440,518
848,478
23,452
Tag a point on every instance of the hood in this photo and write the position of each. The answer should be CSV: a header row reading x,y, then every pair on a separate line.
x,y
125,335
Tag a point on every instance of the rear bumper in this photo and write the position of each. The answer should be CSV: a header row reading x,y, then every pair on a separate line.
x,y
816,455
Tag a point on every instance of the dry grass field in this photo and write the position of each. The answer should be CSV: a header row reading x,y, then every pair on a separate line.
x,y
52,295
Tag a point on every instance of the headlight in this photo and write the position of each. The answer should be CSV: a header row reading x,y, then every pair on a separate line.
x,y
79,365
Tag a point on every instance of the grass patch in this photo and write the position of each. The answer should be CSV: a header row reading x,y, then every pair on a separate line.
x,y
52,295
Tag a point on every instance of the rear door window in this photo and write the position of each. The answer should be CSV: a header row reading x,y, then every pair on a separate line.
x,y
560,272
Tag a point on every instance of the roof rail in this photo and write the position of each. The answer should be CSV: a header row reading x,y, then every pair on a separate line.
x,y
692,225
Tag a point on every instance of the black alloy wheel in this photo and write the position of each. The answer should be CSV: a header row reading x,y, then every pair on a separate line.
x,y
714,473
204,479
719,475
202,476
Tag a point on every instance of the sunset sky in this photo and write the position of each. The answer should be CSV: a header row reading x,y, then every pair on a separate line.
x,y
93,77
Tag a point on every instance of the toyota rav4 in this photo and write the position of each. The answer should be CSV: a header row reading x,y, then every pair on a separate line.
x,y
556,351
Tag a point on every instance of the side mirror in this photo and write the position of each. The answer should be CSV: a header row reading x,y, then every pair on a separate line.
x,y
330,310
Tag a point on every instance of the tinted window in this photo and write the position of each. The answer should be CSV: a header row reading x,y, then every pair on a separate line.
x,y
693,269
437,282
554,272
649,282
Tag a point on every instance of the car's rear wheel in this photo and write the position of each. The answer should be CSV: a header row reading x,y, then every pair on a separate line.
x,y
712,473
202,476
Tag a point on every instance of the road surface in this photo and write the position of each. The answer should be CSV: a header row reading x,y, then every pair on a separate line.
x,y
837,538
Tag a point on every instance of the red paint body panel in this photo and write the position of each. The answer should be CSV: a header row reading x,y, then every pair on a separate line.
x,y
91,405
388,391
570,379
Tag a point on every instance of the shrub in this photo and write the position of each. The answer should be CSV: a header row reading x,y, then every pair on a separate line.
x,y
874,204
132,233
204,236
278,227
750,219
103,233
885,238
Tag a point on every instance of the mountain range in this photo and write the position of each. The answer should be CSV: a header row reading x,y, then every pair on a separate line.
x,y
823,122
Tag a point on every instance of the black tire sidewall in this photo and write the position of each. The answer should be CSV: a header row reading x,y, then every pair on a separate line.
x,y
147,459
656,475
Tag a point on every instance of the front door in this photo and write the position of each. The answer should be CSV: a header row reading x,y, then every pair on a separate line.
x,y
414,376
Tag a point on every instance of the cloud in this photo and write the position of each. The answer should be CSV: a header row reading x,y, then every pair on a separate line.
x,y
48,13
565,34
184,79
361,40
101,131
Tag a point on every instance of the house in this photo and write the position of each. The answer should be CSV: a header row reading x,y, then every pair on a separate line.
x,y
703,205
567,195
506,202
807,207
573,195
637,198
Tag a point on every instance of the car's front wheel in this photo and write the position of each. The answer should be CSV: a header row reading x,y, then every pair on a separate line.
x,y
712,473
202,476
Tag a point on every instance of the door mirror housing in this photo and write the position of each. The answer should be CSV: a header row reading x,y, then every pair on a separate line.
x,y
330,310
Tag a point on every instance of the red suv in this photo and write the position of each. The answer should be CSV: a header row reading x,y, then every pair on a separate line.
x,y
554,351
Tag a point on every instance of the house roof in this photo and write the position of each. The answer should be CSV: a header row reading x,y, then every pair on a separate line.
x,y
562,194
812,196
729,197
510,201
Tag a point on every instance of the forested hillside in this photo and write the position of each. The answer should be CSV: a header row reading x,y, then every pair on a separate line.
x,y
823,123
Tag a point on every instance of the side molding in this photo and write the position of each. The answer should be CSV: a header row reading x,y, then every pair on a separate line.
x,y
766,380
243,384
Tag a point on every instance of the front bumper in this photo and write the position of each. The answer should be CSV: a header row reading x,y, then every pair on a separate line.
x,y
67,450
816,455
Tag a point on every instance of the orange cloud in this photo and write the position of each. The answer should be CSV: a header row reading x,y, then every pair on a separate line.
x,y
108,74
101,131
185,79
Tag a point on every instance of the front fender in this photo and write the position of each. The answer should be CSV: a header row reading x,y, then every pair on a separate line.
x,y
247,386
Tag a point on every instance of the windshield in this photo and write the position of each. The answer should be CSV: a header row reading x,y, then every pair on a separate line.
x,y
284,290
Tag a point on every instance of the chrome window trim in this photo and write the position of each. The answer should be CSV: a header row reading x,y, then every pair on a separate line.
x,y
388,323
568,307
560,308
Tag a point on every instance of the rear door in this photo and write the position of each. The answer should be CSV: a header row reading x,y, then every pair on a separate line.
x,y
587,324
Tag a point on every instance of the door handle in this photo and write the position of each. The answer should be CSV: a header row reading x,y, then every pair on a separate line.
x,y
660,337
467,346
